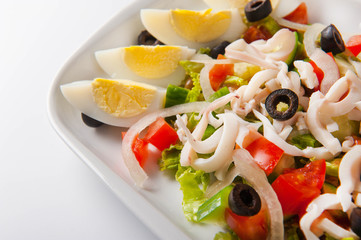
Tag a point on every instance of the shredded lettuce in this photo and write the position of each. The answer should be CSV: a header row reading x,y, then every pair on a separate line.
x,y
192,70
193,183
234,81
175,95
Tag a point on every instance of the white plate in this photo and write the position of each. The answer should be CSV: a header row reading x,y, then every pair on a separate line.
x,y
159,208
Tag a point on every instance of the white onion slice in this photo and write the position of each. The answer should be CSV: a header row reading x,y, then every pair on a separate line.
x,y
335,230
292,25
311,36
285,7
205,83
136,172
249,170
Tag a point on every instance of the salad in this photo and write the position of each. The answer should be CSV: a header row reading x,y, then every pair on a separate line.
x,y
255,112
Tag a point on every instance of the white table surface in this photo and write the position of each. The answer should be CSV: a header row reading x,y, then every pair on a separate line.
x,y
46,191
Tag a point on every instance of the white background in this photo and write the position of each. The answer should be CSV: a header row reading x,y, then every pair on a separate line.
x,y
46,191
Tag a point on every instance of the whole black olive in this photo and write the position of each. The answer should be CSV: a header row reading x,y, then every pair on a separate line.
x,y
355,219
331,40
219,49
256,10
145,38
243,200
90,122
282,96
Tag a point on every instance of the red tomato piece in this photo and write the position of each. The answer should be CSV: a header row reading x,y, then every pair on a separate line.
x,y
248,228
319,73
296,188
161,134
219,73
254,33
140,150
354,45
265,153
299,15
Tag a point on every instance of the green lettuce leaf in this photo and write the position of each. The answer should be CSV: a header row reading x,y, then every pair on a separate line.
x,y
305,140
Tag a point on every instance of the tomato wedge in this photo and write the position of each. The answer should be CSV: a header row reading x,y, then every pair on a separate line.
x,y
161,134
296,188
248,228
299,15
354,45
265,153
219,73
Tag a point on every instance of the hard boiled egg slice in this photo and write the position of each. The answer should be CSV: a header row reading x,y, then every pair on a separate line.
x,y
156,65
194,29
114,102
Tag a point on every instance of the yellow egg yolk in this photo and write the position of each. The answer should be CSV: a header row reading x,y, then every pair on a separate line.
x,y
200,26
152,61
122,98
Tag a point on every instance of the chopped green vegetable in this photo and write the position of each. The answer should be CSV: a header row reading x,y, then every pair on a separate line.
x,y
245,70
191,67
170,157
305,140
193,184
332,167
225,236
175,95
213,209
204,51
328,188
195,94
346,127
208,132
220,93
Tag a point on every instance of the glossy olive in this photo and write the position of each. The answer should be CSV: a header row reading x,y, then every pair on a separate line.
x,y
331,40
256,10
219,49
243,200
355,219
145,38
90,122
286,96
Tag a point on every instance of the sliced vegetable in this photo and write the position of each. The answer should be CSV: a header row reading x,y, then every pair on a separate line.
x,y
256,10
175,95
90,122
285,96
213,209
248,228
354,45
254,33
219,49
299,15
244,200
219,73
161,134
305,140
170,157
332,167
265,153
220,93
331,40
296,188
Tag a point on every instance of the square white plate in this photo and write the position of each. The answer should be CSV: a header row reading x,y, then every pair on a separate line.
x,y
160,208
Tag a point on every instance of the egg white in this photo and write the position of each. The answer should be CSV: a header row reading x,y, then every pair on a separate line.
x,y
157,22
79,95
112,62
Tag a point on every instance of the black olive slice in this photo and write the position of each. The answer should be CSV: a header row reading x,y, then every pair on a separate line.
x,y
256,10
331,40
243,200
282,96
355,219
90,122
219,49
145,38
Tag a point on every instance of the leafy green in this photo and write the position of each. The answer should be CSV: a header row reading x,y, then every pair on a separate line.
x,y
192,70
193,184
234,81
305,140
204,51
170,157
175,95
332,167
